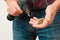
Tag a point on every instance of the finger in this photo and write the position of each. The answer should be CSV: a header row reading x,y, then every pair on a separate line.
x,y
14,9
35,18
9,9
19,11
35,21
18,8
31,21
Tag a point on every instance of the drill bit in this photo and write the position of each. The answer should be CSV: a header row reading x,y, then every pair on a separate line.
x,y
40,21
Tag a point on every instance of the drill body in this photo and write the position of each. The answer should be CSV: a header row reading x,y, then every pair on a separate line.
x,y
24,5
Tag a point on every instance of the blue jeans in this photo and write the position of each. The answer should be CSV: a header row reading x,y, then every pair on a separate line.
x,y
22,30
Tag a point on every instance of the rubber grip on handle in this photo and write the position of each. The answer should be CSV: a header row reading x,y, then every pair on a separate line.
x,y
10,17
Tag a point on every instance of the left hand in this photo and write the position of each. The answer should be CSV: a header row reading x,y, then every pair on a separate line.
x,y
50,13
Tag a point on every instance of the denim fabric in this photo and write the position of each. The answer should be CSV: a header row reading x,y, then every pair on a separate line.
x,y
22,30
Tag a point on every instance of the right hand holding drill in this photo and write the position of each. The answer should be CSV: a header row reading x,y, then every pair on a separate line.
x,y
14,9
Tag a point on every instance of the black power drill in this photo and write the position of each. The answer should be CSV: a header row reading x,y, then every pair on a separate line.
x,y
24,6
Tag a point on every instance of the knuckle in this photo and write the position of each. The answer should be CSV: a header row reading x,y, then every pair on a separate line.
x,y
9,7
12,14
15,11
20,11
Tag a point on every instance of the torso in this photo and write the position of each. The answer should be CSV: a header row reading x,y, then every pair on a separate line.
x,y
36,4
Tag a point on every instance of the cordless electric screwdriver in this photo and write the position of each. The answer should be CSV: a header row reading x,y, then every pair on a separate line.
x,y
24,6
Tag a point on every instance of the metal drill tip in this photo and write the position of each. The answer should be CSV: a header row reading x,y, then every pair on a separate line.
x,y
28,12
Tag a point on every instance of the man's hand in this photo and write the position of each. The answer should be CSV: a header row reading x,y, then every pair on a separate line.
x,y
50,13
13,8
